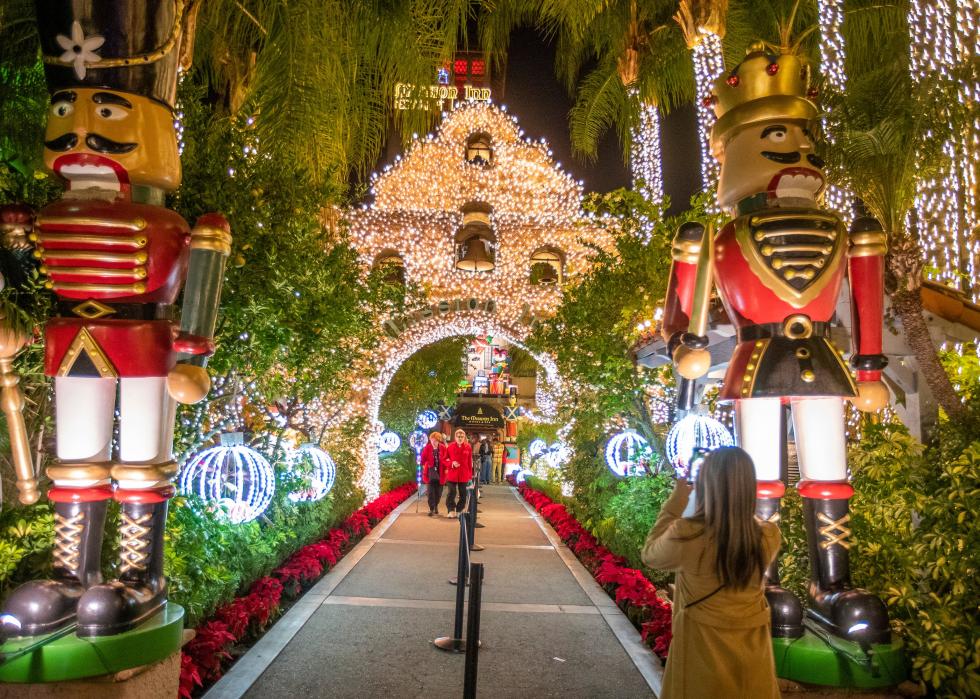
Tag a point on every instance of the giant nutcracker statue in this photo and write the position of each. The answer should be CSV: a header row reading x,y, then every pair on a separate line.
x,y
778,266
116,260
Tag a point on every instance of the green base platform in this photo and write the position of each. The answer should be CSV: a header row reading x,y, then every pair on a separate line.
x,y
72,658
813,659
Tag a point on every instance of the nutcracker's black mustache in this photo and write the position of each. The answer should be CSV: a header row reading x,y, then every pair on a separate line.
x,y
790,158
99,144
65,141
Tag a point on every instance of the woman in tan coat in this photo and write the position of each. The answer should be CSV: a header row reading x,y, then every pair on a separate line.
x,y
721,647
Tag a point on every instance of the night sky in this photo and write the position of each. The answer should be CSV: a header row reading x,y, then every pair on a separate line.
x,y
533,94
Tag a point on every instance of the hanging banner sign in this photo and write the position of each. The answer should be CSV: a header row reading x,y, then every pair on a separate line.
x,y
478,415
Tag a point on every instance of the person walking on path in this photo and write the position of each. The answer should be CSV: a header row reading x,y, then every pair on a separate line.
x,y
721,621
434,461
475,464
459,473
486,460
498,461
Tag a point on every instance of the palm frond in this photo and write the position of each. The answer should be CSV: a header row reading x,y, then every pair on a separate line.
x,y
602,103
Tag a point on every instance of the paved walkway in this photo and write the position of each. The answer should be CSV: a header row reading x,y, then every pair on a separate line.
x,y
366,628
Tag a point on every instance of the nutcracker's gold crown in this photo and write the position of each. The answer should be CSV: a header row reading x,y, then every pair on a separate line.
x,y
764,87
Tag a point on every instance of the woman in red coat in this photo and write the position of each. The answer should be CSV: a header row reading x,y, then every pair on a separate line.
x,y
434,461
459,474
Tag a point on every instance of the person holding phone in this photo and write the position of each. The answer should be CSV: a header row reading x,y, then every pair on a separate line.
x,y
721,641
434,460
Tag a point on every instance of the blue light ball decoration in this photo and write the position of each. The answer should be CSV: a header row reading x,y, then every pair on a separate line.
x,y
314,466
232,476
691,432
388,442
627,454
537,447
427,419
418,440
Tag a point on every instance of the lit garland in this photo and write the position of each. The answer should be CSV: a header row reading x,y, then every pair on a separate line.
x,y
315,466
239,480
944,37
709,64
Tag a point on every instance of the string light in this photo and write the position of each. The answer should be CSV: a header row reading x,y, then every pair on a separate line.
x,y
709,64
239,480
315,466
944,38
646,158
627,454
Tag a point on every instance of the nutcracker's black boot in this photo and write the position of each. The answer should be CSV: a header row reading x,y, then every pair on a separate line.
x,y
42,606
141,589
785,609
845,611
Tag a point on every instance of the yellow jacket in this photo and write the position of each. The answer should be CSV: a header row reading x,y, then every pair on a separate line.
x,y
721,645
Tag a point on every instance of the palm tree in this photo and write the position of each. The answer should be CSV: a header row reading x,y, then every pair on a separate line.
x,y
632,55
319,76
887,133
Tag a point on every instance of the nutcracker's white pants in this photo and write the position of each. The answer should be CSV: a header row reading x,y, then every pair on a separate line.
x,y
84,412
818,424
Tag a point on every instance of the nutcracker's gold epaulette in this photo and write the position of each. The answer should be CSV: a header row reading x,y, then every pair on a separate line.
x,y
868,243
687,244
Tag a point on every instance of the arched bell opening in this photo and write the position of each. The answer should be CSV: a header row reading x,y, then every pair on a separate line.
x,y
547,266
476,242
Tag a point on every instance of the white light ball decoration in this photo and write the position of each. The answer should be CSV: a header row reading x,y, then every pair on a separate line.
x,y
388,442
557,454
236,478
314,465
692,432
427,419
626,453
417,440
537,447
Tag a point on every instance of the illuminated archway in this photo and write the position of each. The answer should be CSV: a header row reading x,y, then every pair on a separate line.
x,y
396,350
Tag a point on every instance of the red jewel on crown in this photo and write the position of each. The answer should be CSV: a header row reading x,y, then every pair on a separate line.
x,y
732,80
772,68
708,101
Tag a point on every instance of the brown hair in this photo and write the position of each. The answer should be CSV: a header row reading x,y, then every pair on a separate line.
x,y
725,503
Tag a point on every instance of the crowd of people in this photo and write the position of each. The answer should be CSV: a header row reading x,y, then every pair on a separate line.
x,y
457,465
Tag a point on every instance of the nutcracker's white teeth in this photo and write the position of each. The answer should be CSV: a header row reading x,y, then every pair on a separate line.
x,y
87,176
798,186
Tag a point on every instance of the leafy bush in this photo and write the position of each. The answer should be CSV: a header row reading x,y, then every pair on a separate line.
x,y
630,515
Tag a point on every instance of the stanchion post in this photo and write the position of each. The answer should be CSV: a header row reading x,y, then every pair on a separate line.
x,y
473,525
455,643
473,631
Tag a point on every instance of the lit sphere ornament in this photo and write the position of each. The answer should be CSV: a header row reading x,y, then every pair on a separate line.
x,y
694,432
314,466
557,454
418,439
388,442
537,447
236,478
427,419
627,454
